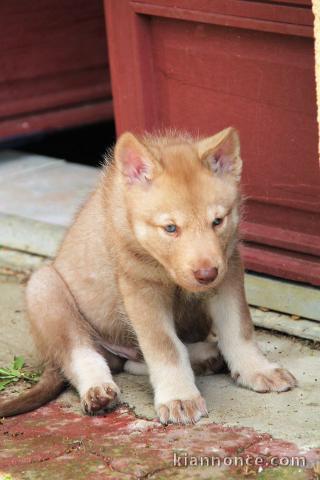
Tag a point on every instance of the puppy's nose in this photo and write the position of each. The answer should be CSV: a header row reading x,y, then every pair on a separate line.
x,y
206,275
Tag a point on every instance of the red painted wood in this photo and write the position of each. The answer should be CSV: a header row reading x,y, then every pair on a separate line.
x,y
57,119
131,66
276,262
203,65
263,16
280,12
278,237
305,3
53,57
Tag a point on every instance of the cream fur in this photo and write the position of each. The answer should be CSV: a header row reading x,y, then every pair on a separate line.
x,y
120,278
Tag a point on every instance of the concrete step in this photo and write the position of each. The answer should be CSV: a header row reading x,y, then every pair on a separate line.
x,y
41,188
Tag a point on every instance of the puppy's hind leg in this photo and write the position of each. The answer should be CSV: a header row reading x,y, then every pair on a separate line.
x,y
90,374
136,368
205,358
65,340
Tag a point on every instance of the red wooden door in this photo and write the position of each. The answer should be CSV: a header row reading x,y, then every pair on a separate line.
x,y
204,65
54,69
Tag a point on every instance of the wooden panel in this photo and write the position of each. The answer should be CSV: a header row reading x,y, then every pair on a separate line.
x,y
204,65
272,235
285,264
131,67
53,56
303,3
248,14
55,119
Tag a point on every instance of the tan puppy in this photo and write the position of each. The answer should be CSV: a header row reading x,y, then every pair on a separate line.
x,y
150,262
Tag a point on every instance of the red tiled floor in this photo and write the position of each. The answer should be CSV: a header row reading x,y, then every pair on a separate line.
x,y
56,443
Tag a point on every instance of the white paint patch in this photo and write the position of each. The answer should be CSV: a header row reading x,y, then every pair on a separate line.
x,y
143,426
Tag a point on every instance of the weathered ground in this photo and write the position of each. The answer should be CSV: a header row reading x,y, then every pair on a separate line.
x,y
55,443
244,434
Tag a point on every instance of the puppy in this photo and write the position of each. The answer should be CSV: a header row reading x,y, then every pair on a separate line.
x,y
150,264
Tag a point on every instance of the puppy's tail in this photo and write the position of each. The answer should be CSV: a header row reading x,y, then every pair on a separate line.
x,y
48,388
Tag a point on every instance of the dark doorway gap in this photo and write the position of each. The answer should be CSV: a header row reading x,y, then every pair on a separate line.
x,y
86,144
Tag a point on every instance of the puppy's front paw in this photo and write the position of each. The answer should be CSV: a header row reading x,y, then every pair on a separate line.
x,y
274,379
182,411
100,397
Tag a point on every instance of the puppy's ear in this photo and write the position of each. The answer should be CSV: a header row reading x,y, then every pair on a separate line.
x,y
221,153
135,161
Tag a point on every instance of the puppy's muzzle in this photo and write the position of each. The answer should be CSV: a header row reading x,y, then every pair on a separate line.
x,y
206,275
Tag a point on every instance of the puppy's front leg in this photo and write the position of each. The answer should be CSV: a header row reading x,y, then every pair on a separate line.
x,y
232,320
177,398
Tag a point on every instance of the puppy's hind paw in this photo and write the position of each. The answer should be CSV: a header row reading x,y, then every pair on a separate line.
x,y
100,397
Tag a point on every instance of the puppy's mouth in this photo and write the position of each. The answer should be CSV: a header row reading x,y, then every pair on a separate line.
x,y
192,285
199,286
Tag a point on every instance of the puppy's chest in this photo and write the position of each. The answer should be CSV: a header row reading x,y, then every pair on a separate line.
x,y
193,323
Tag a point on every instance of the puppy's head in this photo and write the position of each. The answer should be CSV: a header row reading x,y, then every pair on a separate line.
x,y
182,200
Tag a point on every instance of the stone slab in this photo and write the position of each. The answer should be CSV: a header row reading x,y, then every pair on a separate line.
x,y
43,189
286,324
283,296
26,235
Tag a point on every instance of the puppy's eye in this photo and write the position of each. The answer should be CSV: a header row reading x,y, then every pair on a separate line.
x,y
171,228
217,221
